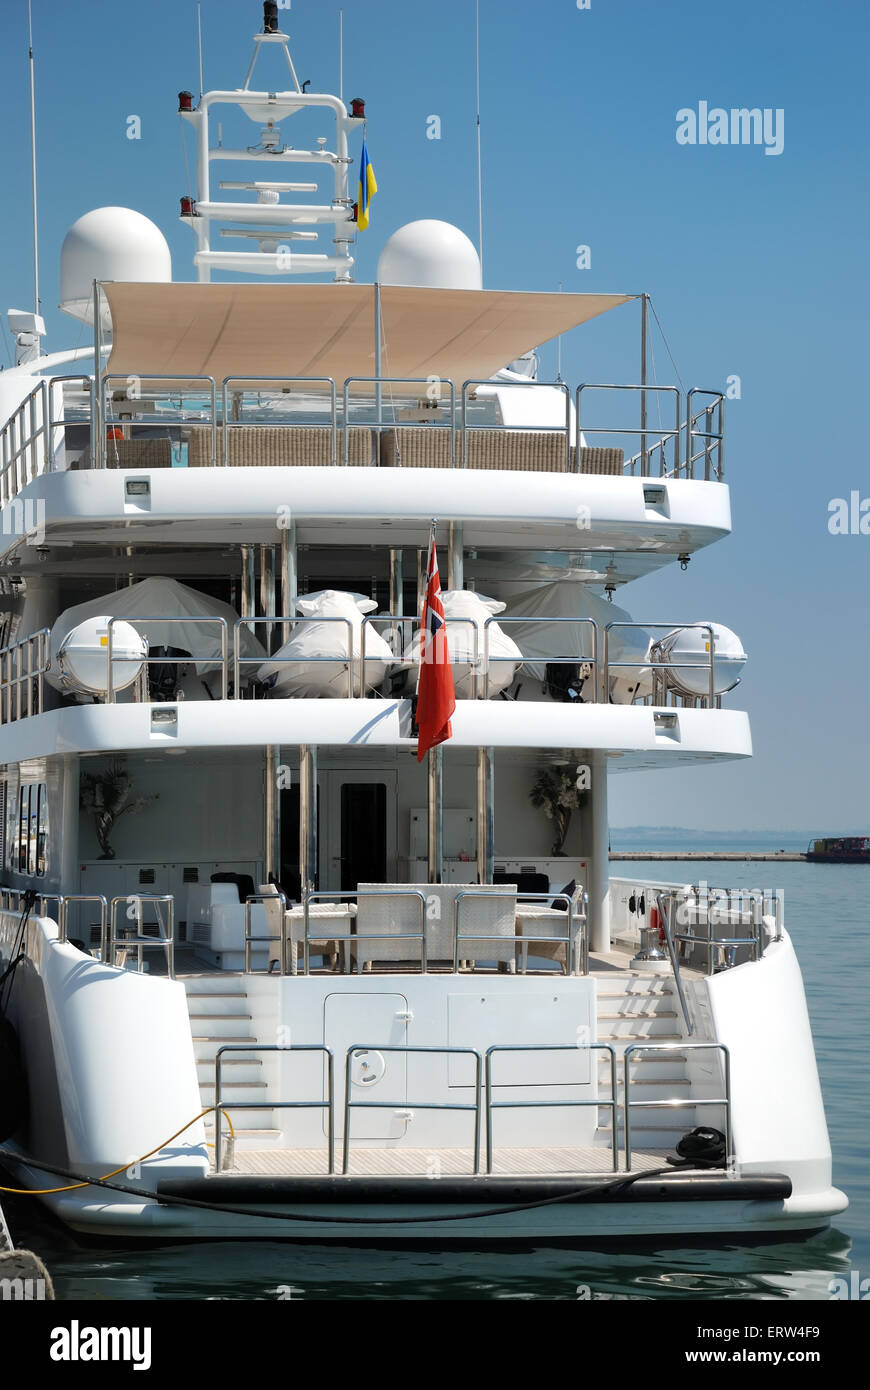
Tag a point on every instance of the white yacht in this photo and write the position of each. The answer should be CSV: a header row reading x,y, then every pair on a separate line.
x,y
267,973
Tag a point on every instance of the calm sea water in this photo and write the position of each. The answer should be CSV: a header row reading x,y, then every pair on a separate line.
x,y
828,915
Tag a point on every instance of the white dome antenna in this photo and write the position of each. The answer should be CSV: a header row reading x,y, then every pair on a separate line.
x,y
109,244
432,255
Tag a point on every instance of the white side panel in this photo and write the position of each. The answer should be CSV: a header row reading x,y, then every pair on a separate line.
x,y
760,1013
122,1055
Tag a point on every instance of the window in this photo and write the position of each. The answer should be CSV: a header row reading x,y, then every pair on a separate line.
x,y
30,837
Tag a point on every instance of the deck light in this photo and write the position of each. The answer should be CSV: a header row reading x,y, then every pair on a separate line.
x,y
185,101
358,108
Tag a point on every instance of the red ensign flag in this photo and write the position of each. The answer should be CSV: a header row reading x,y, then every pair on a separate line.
x,y
436,699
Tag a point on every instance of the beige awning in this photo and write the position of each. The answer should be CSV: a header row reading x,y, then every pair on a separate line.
x,y
328,330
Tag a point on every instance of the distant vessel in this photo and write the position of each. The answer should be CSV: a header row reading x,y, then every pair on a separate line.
x,y
846,849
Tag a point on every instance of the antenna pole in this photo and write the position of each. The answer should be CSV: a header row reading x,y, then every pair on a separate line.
x,y
199,40
341,55
33,158
559,349
479,162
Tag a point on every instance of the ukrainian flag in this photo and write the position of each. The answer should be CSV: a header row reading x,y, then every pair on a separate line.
x,y
368,187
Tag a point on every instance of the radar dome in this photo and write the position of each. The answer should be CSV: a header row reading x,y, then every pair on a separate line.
x,y
109,244
435,255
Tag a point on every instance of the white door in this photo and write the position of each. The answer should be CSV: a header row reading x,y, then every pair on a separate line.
x,y
358,829
371,1021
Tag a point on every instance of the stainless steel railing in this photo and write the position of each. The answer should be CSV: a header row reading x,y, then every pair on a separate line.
x,y
722,907
677,1102
597,1101
126,407
281,898
712,450
27,438
328,1105
124,939
235,388
353,937
22,677
574,660
665,686
661,436
350,1105
63,917
477,382
189,659
23,665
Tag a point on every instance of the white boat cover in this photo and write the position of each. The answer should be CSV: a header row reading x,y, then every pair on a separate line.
x,y
159,597
314,662
548,640
466,613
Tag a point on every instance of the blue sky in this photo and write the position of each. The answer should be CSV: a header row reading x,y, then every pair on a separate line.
x,y
757,266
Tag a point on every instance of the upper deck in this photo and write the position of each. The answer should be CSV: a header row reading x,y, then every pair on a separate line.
x,y
525,465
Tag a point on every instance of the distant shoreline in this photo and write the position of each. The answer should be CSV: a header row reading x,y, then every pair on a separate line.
x,y
781,855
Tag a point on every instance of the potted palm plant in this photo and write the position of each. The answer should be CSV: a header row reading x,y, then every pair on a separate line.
x,y
555,791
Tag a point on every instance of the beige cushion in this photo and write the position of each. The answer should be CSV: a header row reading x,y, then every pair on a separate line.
x,y
595,460
133,453
279,446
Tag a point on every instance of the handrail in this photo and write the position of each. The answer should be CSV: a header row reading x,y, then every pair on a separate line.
x,y
227,423
276,619
650,660
716,435
483,896
644,430
531,429
330,896
280,896
408,663
501,620
157,377
677,1102
328,1105
595,1100
17,685
168,660
166,939
570,914
63,914
730,944
380,381
13,444
675,965
418,1105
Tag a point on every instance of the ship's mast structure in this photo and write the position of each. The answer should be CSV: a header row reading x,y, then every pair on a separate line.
x,y
276,227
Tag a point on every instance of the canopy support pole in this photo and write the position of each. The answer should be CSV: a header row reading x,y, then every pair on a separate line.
x,y
267,591
272,808
397,599
599,859
455,556
247,605
289,576
308,818
436,815
485,815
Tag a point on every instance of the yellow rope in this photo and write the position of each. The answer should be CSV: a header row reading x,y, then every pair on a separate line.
x,y
49,1191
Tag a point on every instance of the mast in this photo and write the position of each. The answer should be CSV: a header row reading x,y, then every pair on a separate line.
x,y
275,227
